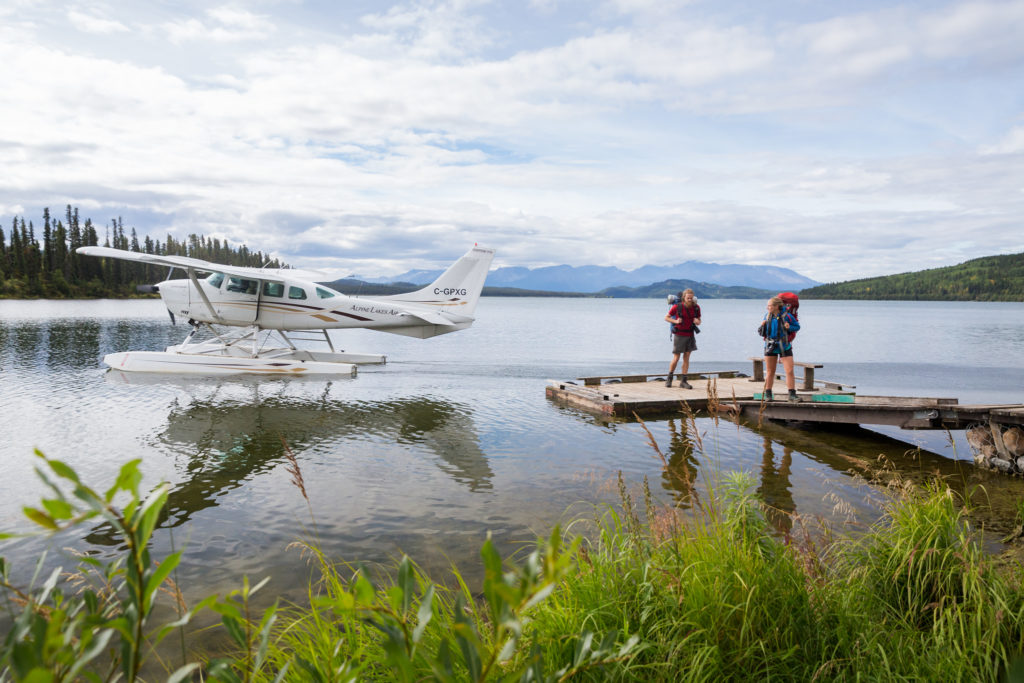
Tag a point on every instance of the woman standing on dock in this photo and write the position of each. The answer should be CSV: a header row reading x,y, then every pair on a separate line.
x,y
684,316
776,327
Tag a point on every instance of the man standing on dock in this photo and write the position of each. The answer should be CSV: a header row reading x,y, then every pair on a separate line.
x,y
684,316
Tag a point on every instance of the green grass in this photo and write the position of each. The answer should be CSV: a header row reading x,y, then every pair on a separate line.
x,y
639,592
709,596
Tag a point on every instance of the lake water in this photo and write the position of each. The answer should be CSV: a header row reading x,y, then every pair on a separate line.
x,y
453,438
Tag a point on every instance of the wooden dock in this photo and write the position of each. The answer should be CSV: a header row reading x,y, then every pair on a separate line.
x,y
647,395
820,402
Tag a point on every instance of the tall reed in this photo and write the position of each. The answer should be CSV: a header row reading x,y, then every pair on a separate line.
x,y
651,593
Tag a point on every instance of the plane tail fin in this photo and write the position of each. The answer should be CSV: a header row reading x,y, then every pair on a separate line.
x,y
458,289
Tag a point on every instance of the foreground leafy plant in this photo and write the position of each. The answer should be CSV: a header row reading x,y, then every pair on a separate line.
x,y
251,638
61,631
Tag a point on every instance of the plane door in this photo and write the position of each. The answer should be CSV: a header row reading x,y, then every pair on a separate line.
x,y
271,309
238,301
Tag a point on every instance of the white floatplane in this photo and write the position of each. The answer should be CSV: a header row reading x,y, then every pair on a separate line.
x,y
254,316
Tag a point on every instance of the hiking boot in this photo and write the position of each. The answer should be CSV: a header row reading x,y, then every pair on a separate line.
x,y
793,398
668,382
683,384
768,395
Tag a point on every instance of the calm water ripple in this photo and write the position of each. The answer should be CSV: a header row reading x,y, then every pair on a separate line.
x,y
454,438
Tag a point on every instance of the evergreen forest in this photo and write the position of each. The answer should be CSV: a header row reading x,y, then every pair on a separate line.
x,y
52,269
989,278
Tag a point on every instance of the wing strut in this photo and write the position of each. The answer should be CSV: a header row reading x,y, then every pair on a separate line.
x,y
206,299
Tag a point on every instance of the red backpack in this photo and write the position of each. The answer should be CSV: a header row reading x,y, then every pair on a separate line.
x,y
792,302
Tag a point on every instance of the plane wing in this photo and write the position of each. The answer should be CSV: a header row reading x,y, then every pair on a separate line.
x,y
199,265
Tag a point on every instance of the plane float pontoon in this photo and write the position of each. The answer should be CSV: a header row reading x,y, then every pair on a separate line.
x,y
254,316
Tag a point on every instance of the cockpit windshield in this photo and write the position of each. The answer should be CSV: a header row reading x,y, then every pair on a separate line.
x,y
323,293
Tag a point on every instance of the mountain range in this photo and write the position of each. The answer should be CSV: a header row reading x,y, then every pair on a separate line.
x,y
596,278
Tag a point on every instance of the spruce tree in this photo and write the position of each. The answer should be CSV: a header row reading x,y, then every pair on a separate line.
x,y
47,244
74,242
4,266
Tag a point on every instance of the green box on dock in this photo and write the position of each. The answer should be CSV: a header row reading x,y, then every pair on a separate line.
x,y
813,398
832,398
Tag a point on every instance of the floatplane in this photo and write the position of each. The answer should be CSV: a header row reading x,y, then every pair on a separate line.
x,y
254,316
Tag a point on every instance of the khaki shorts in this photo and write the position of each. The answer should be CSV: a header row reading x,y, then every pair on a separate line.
x,y
681,344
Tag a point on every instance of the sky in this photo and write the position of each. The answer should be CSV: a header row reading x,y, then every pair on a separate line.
x,y
841,139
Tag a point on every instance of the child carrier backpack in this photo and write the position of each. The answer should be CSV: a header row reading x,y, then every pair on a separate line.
x,y
673,299
792,302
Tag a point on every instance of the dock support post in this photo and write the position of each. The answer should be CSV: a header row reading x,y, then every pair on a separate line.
x,y
758,370
997,440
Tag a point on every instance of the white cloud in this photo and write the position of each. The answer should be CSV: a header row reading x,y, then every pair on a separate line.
x,y
222,25
1012,143
93,24
845,179
431,30
647,7
866,137
990,29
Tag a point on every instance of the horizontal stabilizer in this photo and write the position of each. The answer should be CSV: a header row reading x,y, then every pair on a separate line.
x,y
432,317
425,331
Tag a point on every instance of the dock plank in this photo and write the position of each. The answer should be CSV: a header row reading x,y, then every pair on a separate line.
x,y
633,378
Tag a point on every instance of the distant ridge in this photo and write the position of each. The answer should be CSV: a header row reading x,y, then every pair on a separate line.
x,y
597,278
702,290
989,278
658,290
356,287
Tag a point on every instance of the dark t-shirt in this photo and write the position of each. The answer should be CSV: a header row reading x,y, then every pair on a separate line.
x,y
687,315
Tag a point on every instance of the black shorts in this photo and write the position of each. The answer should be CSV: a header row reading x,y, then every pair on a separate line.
x,y
681,344
774,349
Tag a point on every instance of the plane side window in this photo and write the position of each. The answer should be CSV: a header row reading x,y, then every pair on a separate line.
x,y
215,280
323,293
296,293
237,284
273,289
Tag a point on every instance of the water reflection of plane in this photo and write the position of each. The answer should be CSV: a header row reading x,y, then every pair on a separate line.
x,y
233,430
